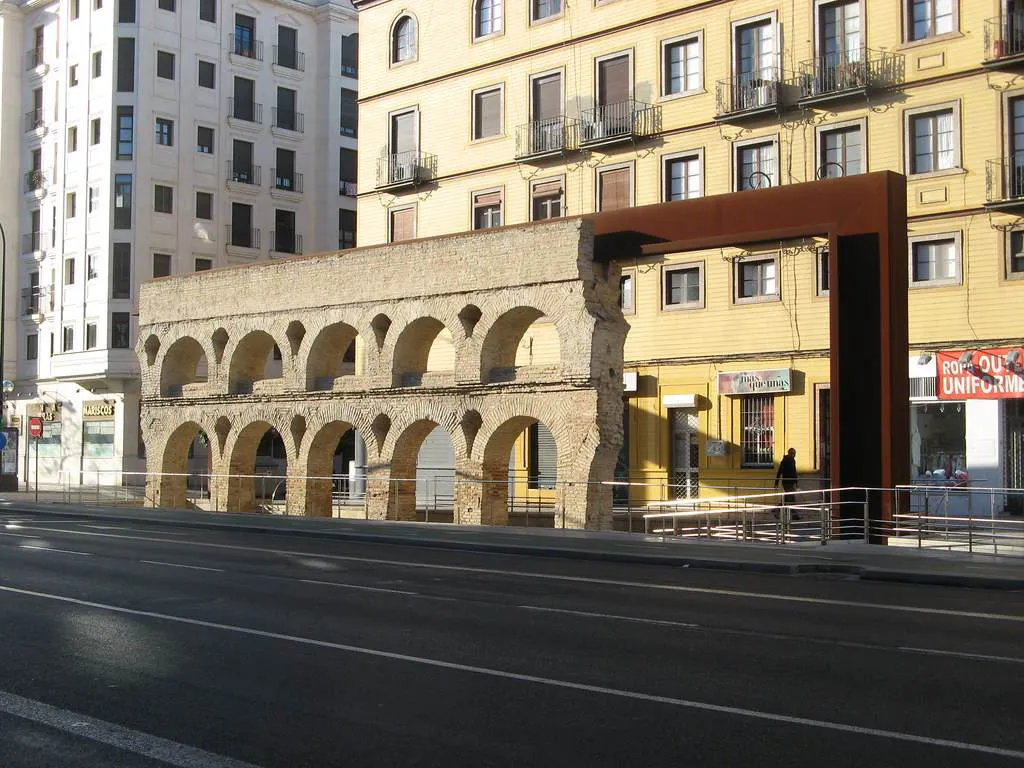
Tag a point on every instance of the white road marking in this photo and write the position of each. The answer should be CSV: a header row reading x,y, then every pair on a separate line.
x,y
51,549
544,681
180,565
613,616
360,587
111,734
962,655
571,579
128,528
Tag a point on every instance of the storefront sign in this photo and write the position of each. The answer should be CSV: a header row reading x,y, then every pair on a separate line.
x,y
990,374
45,411
755,382
98,409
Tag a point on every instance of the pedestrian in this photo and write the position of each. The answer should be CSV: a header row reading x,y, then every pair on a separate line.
x,y
787,474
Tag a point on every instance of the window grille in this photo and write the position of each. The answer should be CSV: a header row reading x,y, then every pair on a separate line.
x,y
757,438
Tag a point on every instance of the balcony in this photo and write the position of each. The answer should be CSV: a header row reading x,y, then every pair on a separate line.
x,y
286,241
246,111
622,121
244,173
1004,41
243,237
35,60
405,169
34,119
748,95
289,58
35,180
1004,182
546,138
32,242
347,188
287,120
848,73
240,43
36,300
286,181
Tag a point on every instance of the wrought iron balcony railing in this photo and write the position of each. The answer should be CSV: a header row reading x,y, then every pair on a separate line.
x,y
290,58
33,119
622,120
240,43
288,119
36,300
752,93
286,241
243,237
848,72
540,138
1004,40
405,169
347,188
35,180
289,181
249,111
245,173
1004,181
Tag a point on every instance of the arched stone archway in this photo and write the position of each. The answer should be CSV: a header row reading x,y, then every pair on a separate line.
x,y
318,486
170,487
424,346
331,356
502,354
246,491
404,493
183,364
251,362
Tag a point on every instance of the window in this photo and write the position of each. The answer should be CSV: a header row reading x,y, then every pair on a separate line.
x,y
204,205
683,287
546,200
932,141
754,47
75,9
68,339
614,189
95,131
123,201
32,346
541,457
403,40
97,64
48,446
346,228
165,65
756,280
207,74
285,115
125,64
90,336
287,54
348,161
349,112
166,5
163,199
545,9
73,75
350,55
69,271
401,224
487,209
1015,254
755,165
757,430
164,132
91,267
823,274
487,113
681,66
94,199
928,18
204,140
840,152
97,4
121,271
125,133
245,42
681,177
204,265
161,264
120,330
208,10
242,233
126,11
935,260
627,297
98,438
488,18
70,205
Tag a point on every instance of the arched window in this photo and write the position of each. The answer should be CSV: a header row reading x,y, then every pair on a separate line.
x,y
403,40
488,20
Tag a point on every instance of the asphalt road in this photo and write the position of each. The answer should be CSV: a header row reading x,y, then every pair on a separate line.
x,y
129,644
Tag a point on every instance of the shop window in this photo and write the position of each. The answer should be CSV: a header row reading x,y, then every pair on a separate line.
x,y
757,430
48,446
938,442
98,439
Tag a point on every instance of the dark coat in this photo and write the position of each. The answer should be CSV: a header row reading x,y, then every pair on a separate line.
x,y
787,471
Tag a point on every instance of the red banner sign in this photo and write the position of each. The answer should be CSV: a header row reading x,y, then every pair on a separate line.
x,y
984,374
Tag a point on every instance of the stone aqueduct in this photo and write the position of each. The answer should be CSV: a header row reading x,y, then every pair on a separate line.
x,y
485,289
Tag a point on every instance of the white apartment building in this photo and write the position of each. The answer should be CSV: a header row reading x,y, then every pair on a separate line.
x,y
146,138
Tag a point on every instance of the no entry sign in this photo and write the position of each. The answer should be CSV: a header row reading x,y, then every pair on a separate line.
x,y
35,426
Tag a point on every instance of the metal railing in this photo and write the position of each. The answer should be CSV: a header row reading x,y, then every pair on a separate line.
x,y
347,188
35,300
248,111
1004,36
35,180
34,58
289,58
621,120
286,241
749,92
243,45
243,237
245,173
1004,178
405,168
291,182
288,120
849,70
34,119
546,137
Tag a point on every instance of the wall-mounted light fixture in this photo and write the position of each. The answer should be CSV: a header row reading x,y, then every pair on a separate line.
x,y
1013,359
967,359
924,358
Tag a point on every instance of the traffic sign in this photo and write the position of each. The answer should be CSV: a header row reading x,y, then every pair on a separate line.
x,y
35,426
3,440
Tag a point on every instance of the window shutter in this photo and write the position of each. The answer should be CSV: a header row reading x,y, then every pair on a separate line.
x,y
403,133
547,97
545,188
488,114
614,189
613,80
487,198
402,223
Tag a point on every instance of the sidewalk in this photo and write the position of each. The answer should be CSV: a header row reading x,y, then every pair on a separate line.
x,y
852,558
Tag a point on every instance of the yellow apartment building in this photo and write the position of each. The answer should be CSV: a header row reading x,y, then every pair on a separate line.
x,y
480,113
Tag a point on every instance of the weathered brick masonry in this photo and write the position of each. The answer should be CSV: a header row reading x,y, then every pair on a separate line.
x,y
486,288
